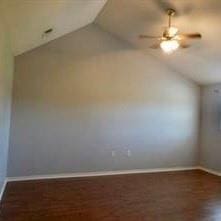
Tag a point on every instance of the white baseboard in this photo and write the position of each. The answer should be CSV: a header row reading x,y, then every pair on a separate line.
x,y
211,171
103,173
3,189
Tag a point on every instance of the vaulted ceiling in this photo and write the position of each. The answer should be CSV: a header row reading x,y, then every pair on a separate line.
x,y
28,19
126,19
201,62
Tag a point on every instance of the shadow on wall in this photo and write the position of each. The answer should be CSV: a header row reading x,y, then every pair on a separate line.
x,y
211,127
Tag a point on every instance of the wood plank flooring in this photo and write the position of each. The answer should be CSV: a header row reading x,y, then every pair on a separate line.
x,y
173,196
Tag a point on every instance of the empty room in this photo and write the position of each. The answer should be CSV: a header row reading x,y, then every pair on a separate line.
x,y
110,110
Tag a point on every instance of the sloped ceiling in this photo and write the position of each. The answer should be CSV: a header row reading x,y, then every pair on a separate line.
x,y
28,19
202,62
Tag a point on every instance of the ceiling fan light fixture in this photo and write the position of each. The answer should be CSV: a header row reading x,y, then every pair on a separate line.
x,y
169,46
171,39
172,31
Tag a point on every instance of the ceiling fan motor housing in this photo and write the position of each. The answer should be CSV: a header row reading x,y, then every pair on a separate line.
x,y
171,12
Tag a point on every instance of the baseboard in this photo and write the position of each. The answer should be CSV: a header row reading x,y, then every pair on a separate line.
x,y
103,173
3,189
211,171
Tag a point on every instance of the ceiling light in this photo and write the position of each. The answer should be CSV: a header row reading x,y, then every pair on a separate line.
x,y
172,31
169,46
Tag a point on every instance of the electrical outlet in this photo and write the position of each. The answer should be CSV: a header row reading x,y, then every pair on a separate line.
x,y
113,154
128,153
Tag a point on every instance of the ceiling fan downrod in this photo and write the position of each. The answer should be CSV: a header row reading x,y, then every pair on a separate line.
x,y
171,12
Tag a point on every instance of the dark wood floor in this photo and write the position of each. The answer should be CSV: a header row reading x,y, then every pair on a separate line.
x,y
175,196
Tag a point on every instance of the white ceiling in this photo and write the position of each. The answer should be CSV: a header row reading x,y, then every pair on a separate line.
x,y
202,62
28,19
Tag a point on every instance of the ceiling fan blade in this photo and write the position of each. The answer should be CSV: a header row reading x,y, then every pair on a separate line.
x,y
184,45
148,36
190,35
155,46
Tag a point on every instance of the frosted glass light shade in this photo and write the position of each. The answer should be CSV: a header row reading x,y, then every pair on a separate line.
x,y
169,46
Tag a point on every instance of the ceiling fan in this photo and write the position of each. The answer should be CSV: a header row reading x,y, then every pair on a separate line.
x,y
171,40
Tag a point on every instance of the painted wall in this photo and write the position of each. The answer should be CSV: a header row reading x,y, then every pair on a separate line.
x,y
85,95
6,71
211,127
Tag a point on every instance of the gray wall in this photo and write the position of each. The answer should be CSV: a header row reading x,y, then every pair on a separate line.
x,y
87,94
6,70
211,127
